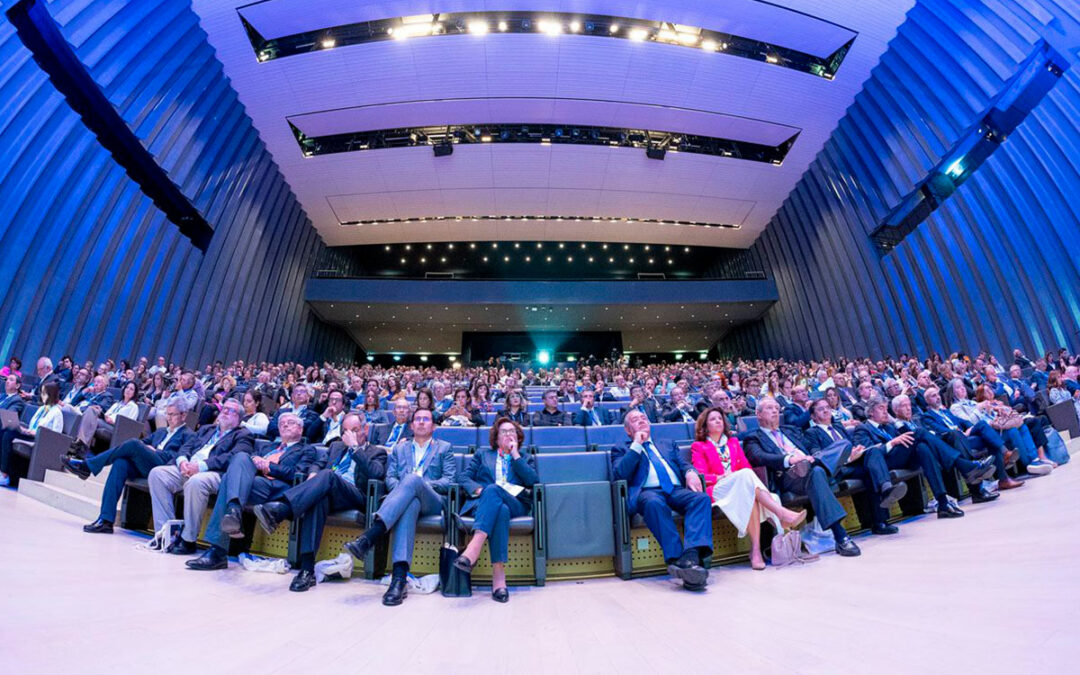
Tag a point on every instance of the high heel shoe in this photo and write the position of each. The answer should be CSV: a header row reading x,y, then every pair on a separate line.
x,y
464,564
794,523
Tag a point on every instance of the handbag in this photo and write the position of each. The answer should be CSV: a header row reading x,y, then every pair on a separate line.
x,y
787,549
454,582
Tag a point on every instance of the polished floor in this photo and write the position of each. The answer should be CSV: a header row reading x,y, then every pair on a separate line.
x,y
996,591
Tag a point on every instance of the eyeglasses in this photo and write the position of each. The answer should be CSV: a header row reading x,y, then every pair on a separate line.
x,y
508,432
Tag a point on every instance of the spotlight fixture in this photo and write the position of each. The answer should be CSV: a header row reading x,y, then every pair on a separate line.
x,y
328,43
653,152
443,149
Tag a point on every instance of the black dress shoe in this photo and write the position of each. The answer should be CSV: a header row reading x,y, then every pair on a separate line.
x,y
99,526
463,564
983,470
893,494
885,528
983,496
77,467
213,559
232,521
181,546
500,595
692,574
359,547
79,449
396,594
847,548
271,514
949,511
303,581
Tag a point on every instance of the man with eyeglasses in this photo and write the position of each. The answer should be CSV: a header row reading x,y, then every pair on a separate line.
x,y
132,459
197,470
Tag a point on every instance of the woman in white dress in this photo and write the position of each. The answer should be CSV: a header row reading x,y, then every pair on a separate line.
x,y
734,486
254,420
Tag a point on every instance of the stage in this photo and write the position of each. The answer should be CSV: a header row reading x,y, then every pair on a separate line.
x,y
996,591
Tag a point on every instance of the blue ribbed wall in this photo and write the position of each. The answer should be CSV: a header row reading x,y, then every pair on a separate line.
x,y
91,267
997,265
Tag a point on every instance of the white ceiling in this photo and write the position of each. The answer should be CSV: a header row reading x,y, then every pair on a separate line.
x,y
570,79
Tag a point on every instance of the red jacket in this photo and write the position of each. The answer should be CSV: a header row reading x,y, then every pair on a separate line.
x,y
707,460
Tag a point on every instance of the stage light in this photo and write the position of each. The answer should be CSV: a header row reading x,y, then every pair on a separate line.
x,y
613,28
457,365
479,27
403,261
678,356
703,355
543,356
443,149
502,25
639,34
550,27
575,26
370,357
423,359
956,169
397,357
329,43
452,358
386,248
408,247
654,153
571,358
709,45
772,59
264,56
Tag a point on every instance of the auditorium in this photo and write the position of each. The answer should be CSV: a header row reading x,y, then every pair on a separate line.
x,y
614,323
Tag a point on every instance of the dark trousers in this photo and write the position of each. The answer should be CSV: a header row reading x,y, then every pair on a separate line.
x,y
6,443
131,459
316,498
982,440
696,507
494,510
919,455
241,484
871,469
1038,434
818,489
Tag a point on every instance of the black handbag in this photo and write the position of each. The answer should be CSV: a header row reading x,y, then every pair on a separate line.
x,y
453,582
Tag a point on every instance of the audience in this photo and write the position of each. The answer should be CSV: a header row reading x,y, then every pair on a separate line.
x,y
48,416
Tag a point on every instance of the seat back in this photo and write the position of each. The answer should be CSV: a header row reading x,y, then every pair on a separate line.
x,y
1063,417
745,423
126,429
72,418
571,407
578,504
461,439
541,437
144,412
28,413
671,431
605,436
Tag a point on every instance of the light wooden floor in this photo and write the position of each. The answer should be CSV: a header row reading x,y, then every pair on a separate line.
x,y
997,591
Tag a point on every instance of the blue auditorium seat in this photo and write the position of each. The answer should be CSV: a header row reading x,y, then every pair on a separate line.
x,y
461,439
546,439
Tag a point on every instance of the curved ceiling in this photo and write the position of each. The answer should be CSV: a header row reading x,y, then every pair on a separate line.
x,y
567,79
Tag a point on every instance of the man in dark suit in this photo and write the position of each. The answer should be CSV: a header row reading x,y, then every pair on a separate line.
x,y
660,479
971,440
45,375
866,465
639,402
313,425
132,459
337,482
197,470
797,413
418,473
782,451
679,408
398,429
865,392
590,415
550,415
567,392
97,396
12,399
1018,392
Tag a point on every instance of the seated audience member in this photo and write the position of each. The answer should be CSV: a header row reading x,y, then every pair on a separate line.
x,y
261,476
515,408
550,415
332,417
76,389
660,479
864,394
134,458
426,400
12,398
733,485
619,389
839,412
1019,393
45,375
568,393
792,469
398,429
96,432
679,408
96,399
196,470
797,413
298,404
48,416
461,413
254,420
481,398
1005,421
12,368
340,485
418,473
185,396
371,408
639,402
590,415
498,482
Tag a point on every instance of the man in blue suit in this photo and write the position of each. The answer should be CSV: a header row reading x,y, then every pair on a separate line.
x,y
132,459
661,479
12,399
797,413
590,415
1019,393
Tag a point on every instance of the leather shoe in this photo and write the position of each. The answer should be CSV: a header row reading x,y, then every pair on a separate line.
x,y
463,564
847,548
949,511
99,526
181,546
213,559
396,594
359,547
885,528
690,573
893,494
76,466
232,521
984,469
303,581
270,515
1010,484
500,595
981,496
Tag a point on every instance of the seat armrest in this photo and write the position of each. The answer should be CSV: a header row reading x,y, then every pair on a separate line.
x,y
539,506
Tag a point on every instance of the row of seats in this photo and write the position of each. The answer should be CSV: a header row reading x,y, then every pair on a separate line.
x,y
562,439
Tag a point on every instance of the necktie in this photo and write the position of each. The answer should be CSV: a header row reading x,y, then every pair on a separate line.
x,y
835,435
780,441
394,434
660,467
948,422
595,419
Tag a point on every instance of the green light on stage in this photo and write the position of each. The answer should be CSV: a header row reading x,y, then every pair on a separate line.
x,y
543,356
678,356
370,357
397,357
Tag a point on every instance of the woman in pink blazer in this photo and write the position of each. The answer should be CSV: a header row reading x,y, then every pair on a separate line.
x,y
734,486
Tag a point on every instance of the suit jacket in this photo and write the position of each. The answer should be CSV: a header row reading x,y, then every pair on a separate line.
x,y
570,397
103,400
298,458
381,435
313,424
933,422
521,417
369,461
762,450
633,467
670,413
236,440
650,411
172,448
583,419
866,434
706,459
13,402
817,438
441,470
796,416
481,472
542,418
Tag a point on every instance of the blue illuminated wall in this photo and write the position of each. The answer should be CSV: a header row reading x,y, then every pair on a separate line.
x,y
91,267
998,265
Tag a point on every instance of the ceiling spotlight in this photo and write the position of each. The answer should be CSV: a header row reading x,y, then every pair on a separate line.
x,y
613,28
709,45
502,25
443,149
472,245
479,27
772,59
408,247
550,27
329,43
264,56
639,34
387,248
561,245
575,26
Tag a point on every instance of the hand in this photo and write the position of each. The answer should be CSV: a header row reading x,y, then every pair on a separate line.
x,y
856,453
905,439
188,469
477,491
693,481
514,449
311,475
800,456
260,463
349,438
640,437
